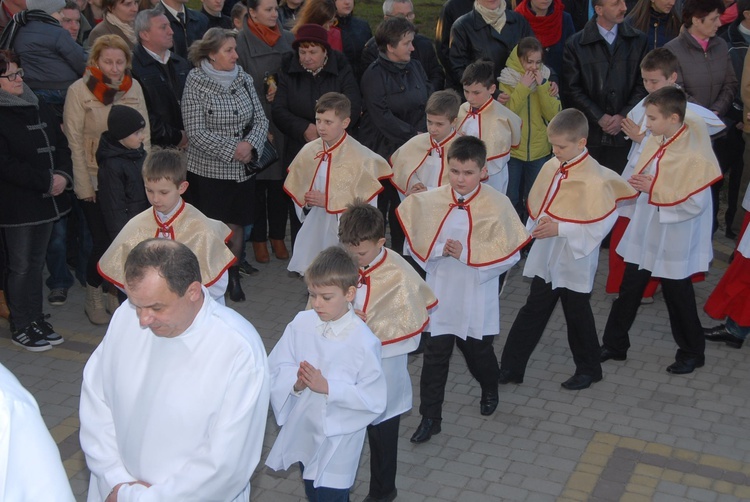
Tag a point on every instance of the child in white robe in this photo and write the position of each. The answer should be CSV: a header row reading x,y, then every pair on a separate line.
x,y
327,382
326,175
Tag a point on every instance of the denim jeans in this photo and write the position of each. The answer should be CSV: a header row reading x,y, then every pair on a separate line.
x,y
322,494
735,329
55,98
57,256
25,249
521,176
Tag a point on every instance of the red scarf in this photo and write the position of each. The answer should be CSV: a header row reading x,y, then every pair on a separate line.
x,y
268,35
548,29
103,88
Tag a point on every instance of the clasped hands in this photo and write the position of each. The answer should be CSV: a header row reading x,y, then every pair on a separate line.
x,y
309,377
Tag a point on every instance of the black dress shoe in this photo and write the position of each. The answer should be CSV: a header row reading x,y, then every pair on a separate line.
x,y
489,401
428,427
684,366
578,382
506,377
388,498
720,334
607,354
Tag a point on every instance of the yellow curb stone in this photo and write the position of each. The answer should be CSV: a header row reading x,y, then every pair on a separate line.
x,y
720,462
742,492
688,455
62,432
594,458
634,497
603,437
604,449
582,481
648,470
574,496
642,480
696,481
658,449
722,486
590,469
632,443
642,490
672,476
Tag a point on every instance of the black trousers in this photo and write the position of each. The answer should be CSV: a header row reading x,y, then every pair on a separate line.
x,y
533,317
383,439
480,358
388,201
270,211
100,238
612,157
729,150
683,313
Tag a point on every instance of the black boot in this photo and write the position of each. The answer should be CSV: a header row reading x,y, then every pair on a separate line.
x,y
234,288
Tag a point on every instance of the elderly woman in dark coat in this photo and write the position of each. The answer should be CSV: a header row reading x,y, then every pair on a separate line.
x,y
260,46
35,169
312,70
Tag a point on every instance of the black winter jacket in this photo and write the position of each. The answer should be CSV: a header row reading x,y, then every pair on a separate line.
x,y
394,100
737,52
162,88
121,193
472,38
293,108
32,149
355,32
598,80
424,52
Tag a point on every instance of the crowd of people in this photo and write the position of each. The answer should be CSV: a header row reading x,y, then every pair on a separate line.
x,y
144,145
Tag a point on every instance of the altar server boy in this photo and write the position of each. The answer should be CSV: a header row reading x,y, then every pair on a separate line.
x,y
394,302
464,235
326,175
572,207
170,217
421,164
669,235
483,117
327,383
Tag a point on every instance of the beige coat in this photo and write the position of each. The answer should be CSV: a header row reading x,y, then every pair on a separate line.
x,y
84,120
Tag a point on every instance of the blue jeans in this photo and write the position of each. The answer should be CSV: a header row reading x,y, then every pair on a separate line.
x,y
521,177
735,329
55,98
322,494
57,256
25,248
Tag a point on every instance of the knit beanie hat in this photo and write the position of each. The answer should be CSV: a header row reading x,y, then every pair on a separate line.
x,y
124,121
48,6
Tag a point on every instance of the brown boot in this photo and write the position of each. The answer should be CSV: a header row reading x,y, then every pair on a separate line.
x,y
261,252
94,306
279,249
4,311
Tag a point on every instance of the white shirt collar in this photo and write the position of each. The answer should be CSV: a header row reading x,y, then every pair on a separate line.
x,y
156,56
166,217
376,259
467,196
335,330
576,158
608,35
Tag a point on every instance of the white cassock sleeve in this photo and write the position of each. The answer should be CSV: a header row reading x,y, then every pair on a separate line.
x,y
687,210
582,239
284,367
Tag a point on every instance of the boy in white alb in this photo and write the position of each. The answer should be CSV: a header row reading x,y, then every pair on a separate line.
x,y
484,118
326,175
464,235
669,235
658,69
571,209
170,217
327,382
421,163
394,302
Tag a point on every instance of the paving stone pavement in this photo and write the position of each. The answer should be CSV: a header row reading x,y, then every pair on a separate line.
x,y
639,434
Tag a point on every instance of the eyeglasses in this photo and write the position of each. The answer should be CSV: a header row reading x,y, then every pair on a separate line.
x,y
13,76
410,16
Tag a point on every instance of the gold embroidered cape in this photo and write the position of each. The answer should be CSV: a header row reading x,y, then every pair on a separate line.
x,y
410,157
587,192
397,301
353,171
205,237
495,232
685,164
499,128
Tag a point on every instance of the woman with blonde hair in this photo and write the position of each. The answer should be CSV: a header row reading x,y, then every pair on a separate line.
x,y
106,82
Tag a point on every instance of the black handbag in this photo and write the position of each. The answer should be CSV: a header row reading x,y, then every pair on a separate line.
x,y
260,164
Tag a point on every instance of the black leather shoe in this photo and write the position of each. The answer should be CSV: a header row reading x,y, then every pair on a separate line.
x,y
388,498
578,382
428,427
607,354
506,377
234,288
489,401
720,334
684,366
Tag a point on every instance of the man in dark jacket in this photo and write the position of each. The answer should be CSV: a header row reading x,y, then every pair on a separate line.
x,y
452,10
424,52
472,38
187,24
602,78
213,10
737,37
162,76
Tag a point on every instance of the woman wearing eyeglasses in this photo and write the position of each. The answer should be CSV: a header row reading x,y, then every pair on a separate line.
x,y
35,170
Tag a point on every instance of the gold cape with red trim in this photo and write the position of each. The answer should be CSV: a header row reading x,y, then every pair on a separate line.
x,y
410,157
353,171
205,237
685,164
499,128
495,232
587,192
397,300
